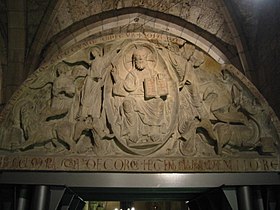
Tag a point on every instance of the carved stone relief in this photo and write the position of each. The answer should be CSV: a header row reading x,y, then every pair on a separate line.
x,y
138,97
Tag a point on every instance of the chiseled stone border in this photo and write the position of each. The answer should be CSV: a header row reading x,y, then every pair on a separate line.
x,y
138,164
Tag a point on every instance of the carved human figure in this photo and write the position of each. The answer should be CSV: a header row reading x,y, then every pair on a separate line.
x,y
91,116
91,93
142,113
63,91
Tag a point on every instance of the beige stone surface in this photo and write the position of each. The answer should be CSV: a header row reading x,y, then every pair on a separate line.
x,y
138,102
205,14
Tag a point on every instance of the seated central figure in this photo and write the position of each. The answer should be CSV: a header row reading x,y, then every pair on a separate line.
x,y
142,112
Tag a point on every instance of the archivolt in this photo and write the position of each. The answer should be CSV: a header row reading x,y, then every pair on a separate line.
x,y
112,21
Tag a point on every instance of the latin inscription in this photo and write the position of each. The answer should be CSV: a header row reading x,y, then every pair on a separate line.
x,y
138,164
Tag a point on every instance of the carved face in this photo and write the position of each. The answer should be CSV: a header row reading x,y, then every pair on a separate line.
x,y
61,69
95,52
140,58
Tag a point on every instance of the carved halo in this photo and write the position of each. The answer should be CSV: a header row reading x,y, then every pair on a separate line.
x,y
152,55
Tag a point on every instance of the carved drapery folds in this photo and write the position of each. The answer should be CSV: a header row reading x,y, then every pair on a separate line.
x,y
135,96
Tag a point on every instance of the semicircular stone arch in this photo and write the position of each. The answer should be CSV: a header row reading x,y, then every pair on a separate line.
x,y
142,20
207,15
203,18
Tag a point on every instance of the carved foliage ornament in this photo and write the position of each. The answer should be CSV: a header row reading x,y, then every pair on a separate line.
x,y
138,98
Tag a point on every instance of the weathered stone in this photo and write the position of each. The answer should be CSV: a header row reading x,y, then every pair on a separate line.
x,y
196,12
138,102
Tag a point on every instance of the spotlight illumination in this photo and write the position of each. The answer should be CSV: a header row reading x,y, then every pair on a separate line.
x,y
132,208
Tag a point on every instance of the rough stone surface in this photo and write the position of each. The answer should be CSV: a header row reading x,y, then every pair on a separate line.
x,y
204,14
260,26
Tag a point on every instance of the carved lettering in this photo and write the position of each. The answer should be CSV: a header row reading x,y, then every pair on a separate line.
x,y
50,164
36,162
108,164
148,165
90,164
270,164
266,165
94,164
252,165
118,165
70,163
133,165
22,163
6,162
139,164
197,165
169,165
228,164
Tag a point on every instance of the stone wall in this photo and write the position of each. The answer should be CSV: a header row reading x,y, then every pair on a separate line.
x,y
259,22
